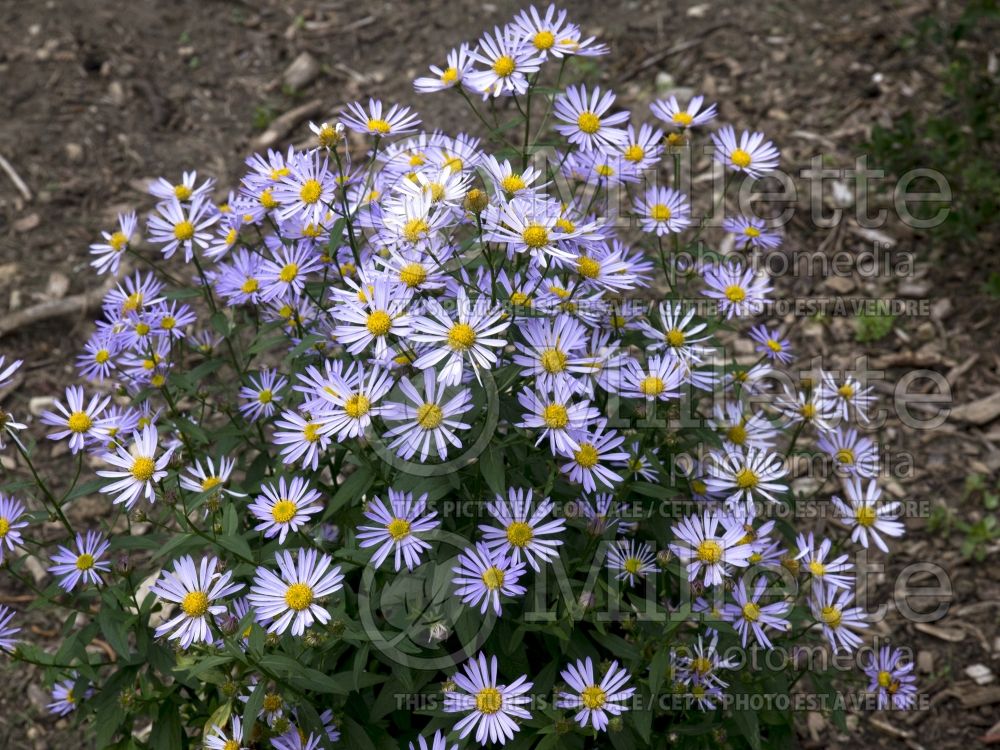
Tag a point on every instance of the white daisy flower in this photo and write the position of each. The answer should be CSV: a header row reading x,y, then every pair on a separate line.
x,y
438,742
832,610
643,148
396,121
453,74
523,531
744,476
508,60
194,588
138,468
558,418
633,560
703,547
285,507
291,600
590,126
7,640
175,227
853,454
865,517
203,479
397,529
508,182
846,396
219,739
740,431
468,335
302,437
185,190
108,254
553,350
307,191
380,315
427,418
739,291
679,333
804,406
351,404
84,563
484,574
491,707
690,116
596,700
663,211
660,380
258,400
597,447
748,615
751,154
828,573
79,422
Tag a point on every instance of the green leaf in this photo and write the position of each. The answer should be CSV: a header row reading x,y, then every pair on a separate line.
x,y
113,621
491,466
254,705
350,490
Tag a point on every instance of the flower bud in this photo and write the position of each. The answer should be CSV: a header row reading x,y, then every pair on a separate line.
x,y
476,201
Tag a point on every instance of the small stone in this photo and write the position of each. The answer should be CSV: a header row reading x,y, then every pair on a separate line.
x,y
839,284
698,11
39,404
664,81
57,285
926,331
913,288
980,674
27,223
301,72
74,152
925,661
941,309
116,92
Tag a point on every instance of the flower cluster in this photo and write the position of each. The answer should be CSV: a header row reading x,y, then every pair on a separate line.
x,y
320,369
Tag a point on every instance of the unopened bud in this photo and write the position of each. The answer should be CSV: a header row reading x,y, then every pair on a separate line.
x,y
476,201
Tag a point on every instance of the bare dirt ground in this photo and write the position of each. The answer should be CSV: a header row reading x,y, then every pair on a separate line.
x,y
98,97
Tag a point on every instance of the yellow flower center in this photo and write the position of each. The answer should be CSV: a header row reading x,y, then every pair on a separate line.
x,y
132,302
79,421
413,275
310,191
4,527
737,434
284,511
740,158
866,515
429,416
398,528
267,199
183,230
535,236
504,66
378,126
831,616
698,486
555,416
544,40
265,396
311,432
593,697
774,346
553,360
588,122
461,337
493,577
817,568
519,533
587,455
118,241
449,76
143,468
102,356
846,391
231,745
884,679
660,212
357,406
520,299
250,286
289,272
682,118
85,561
489,700
512,184
635,153
751,232
605,170
808,411
209,483
632,565
651,385
167,322
751,612
299,596
735,293
182,192
701,664
414,229
195,603
272,702
746,478
379,323
588,267
709,552
845,456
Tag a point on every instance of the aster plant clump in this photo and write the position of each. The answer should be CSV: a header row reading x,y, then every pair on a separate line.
x,y
428,440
